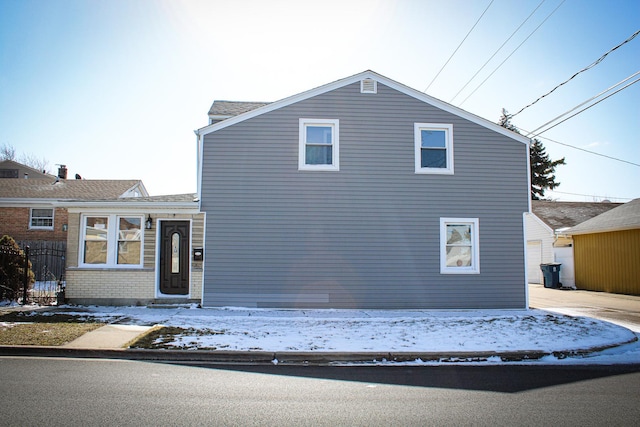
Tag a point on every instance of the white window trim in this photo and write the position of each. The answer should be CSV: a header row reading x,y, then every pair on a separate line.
x,y
112,241
335,144
475,246
37,227
448,128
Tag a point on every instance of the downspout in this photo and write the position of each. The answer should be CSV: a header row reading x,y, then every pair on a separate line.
x,y
199,140
524,229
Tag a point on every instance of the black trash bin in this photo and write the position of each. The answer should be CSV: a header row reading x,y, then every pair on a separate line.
x,y
551,273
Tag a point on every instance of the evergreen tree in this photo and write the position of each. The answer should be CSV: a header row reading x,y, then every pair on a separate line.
x,y
542,167
12,269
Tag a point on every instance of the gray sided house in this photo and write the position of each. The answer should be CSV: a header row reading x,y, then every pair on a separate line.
x,y
363,193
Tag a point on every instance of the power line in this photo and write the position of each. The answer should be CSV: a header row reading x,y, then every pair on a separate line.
x,y
591,195
454,52
496,52
514,51
587,151
593,64
592,105
585,102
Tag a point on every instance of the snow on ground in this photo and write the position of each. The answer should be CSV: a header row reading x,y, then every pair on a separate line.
x,y
239,329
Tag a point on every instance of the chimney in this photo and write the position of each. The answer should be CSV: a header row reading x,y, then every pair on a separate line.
x,y
62,172
26,176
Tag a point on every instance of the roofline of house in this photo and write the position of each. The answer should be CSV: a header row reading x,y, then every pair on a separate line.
x,y
542,223
74,205
352,79
31,169
140,186
569,232
27,202
220,116
119,204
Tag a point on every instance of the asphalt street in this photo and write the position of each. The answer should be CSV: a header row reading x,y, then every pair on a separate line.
x,y
80,392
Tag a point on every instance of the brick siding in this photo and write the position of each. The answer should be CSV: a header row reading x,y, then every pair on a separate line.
x,y
15,223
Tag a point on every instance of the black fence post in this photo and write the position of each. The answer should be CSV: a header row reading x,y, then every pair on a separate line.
x,y
26,275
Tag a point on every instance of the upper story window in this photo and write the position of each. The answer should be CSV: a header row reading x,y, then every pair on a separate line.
x,y
433,148
459,248
41,218
319,145
112,241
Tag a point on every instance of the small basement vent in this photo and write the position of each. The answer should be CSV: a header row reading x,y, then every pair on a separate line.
x,y
368,86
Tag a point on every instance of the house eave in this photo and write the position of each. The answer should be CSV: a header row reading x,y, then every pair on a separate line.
x,y
355,78
599,230
182,207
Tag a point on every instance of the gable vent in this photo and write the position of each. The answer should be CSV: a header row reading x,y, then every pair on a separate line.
x,y
368,86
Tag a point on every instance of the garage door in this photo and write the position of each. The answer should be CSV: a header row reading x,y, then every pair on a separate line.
x,y
534,259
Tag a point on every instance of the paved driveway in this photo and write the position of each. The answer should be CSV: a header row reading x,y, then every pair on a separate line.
x,y
623,310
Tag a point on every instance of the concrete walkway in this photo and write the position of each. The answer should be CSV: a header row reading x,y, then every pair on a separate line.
x,y
623,310
108,337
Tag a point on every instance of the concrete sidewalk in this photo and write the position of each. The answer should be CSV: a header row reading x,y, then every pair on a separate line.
x,y
111,337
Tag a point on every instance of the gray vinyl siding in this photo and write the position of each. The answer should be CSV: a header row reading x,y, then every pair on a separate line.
x,y
367,236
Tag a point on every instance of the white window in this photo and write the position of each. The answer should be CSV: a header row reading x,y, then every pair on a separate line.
x,y
319,145
459,246
112,241
433,148
41,218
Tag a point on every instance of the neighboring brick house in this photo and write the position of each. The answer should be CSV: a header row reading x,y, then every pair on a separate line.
x,y
33,209
11,169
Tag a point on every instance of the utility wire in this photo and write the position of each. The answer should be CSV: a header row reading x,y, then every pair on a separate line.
x,y
586,108
514,51
587,151
454,52
585,102
591,195
496,52
593,64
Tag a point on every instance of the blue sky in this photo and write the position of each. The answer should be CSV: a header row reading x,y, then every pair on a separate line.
x,y
115,88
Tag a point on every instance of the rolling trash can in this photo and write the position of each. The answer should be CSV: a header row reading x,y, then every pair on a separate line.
x,y
551,273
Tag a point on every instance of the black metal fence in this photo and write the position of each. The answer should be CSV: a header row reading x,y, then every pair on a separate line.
x,y
48,266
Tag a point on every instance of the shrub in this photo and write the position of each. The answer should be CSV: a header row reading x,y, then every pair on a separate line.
x,y
12,269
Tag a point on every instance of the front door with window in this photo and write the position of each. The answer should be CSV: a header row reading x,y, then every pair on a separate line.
x,y
174,257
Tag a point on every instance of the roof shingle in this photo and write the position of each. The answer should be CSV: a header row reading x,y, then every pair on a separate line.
x,y
233,108
624,217
567,214
80,189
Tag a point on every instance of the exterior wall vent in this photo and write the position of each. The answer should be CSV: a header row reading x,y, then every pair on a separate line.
x,y
368,86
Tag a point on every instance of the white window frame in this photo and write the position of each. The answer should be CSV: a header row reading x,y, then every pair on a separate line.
x,y
448,129
41,227
475,246
335,144
111,242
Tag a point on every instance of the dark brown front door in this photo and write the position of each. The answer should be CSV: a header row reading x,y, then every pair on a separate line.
x,y
174,257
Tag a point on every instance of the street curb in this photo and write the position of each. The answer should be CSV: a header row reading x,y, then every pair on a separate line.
x,y
291,358
263,357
